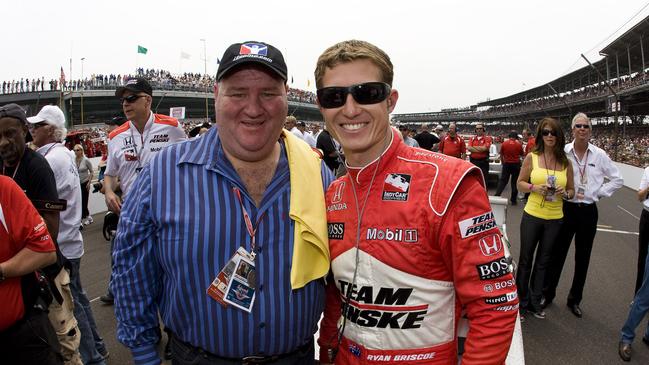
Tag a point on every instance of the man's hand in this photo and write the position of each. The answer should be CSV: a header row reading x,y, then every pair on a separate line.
x,y
113,202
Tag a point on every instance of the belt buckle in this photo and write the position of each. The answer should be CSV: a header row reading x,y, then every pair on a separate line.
x,y
254,359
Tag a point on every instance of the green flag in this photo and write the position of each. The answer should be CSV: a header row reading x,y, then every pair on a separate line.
x,y
141,49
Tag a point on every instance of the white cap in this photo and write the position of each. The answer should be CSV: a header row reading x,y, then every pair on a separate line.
x,y
50,114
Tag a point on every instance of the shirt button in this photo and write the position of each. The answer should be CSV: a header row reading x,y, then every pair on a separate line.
x,y
261,287
259,249
262,325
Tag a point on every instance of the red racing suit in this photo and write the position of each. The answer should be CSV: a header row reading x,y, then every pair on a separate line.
x,y
429,247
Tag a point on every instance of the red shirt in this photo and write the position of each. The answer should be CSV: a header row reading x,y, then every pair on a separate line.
x,y
511,151
480,141
20,226
452,146
531,142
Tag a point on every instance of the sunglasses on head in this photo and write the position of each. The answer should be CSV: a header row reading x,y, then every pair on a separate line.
x,y
365,94
585,126
129,99
548,132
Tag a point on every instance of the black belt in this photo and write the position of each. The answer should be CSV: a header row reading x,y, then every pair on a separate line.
x,y
581,205
253,359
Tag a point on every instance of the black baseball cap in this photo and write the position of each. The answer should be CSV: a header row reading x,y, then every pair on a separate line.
x,y
252,51
14,111
136,85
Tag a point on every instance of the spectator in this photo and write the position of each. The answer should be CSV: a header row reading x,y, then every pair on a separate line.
x,y
86,172
425,139
547,175
511,153
405,133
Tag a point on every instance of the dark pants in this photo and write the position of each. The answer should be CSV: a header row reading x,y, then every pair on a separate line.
x,y
185,354
85,192
510,172
643,247
580,222
31,341
483,165
534,232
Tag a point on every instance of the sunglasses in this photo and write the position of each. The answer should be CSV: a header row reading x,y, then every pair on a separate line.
x,y
78,149
130,99
580,126
365,94
548,132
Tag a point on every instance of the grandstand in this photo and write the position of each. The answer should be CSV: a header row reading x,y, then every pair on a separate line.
x,y
623,66
93,101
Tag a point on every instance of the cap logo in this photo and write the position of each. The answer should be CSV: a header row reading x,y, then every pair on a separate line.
x,y
131,82
254,48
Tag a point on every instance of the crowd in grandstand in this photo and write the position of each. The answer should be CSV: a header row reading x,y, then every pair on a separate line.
x,y
159,79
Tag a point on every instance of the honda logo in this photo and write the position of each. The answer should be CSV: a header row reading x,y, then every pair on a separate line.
x,y
490,245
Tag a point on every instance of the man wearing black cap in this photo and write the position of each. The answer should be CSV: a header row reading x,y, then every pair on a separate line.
x,y
226,234
132,145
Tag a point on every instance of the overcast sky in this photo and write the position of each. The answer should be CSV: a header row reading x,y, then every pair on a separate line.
x,y
445,53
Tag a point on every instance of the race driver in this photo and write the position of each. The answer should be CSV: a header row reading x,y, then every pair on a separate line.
x,y
412,236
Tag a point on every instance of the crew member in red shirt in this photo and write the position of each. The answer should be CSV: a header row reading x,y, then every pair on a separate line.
x,y
452,144
530,141
511,152
479,148
26,335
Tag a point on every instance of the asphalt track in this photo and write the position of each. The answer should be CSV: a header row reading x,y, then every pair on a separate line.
x,y
559,339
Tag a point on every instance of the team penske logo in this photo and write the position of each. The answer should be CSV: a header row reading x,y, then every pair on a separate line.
x,y
160,138
396,187
382,307
478,224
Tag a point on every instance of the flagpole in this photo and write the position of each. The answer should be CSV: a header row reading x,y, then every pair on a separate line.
x,y
207,116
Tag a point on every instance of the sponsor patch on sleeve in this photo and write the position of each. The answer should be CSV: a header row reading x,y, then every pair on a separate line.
x,y
478,224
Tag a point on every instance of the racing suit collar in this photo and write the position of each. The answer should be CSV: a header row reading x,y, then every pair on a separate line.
x,y
363,175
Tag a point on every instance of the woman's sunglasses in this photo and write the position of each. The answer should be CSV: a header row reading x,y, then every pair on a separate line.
x,y
548,132
366,93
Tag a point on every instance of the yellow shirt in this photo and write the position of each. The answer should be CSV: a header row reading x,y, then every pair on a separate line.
x,y
538,205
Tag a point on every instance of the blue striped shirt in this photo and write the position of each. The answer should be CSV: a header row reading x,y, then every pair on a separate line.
x,y
179,227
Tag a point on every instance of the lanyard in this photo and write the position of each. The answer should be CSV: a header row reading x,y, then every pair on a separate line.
x,y
582,171
49,149
13,177
143,138
246,217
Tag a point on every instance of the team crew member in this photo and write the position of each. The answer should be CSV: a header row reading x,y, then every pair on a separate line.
x,y
452,144
133,144
246,191
404,279
479,147
26,335
530,141
511,152
591,165
48,130
425,139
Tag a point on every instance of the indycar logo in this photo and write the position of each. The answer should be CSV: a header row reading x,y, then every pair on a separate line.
x,y
478,224
396,187
490,245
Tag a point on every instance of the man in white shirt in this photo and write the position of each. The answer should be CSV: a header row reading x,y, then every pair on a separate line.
x,y
306,135
291,126
48,131
590,166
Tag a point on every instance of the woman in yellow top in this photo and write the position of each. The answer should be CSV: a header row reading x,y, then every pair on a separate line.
x,y
547,174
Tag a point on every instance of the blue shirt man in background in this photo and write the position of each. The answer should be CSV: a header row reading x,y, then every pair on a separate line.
x,y
246,190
